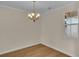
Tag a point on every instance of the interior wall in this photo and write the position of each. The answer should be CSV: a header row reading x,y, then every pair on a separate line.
x,y
53,30
76,42
16,31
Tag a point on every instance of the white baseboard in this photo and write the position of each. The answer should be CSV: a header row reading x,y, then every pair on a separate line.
x,y
33,45
18,48
58,49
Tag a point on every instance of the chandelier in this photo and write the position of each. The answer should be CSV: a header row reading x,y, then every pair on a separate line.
x,y
33,15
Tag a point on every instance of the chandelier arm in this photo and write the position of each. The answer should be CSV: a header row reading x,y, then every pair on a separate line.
x,y
33,15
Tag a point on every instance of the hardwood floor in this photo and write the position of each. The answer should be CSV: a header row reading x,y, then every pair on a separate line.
x,y
35,51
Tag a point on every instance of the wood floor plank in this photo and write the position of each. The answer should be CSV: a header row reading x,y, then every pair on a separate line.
x,y
39,50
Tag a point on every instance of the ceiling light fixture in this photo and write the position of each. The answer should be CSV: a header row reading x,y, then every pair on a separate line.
x,y
33,15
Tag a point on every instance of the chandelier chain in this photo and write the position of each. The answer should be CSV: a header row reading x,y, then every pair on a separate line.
x,y
34,6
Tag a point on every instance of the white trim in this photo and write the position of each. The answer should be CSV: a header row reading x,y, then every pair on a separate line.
x,y
36,44
18,48
58,49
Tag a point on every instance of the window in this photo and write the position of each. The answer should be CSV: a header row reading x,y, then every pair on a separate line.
x,y
71,20
71,25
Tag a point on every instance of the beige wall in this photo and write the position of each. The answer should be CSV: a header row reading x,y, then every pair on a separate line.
x,y
76,45
53,33
16,31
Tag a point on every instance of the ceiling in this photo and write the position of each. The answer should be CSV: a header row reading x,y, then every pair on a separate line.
x,y
41,6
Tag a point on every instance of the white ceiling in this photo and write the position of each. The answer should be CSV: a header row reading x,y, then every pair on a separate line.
x,y
41,6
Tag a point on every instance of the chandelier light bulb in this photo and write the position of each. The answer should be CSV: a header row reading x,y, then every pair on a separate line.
x,y
29,15
38,15
34,15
